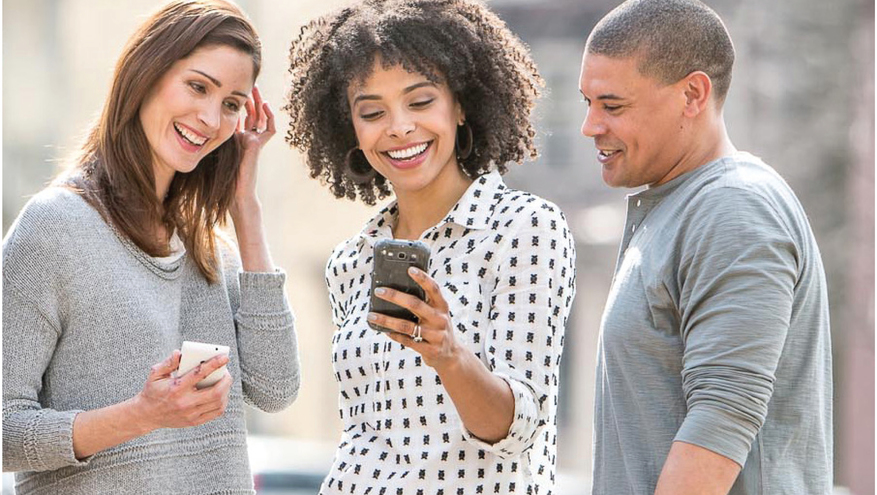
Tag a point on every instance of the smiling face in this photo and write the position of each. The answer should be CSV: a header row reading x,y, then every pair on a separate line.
x,y
406,126
194,107
636,121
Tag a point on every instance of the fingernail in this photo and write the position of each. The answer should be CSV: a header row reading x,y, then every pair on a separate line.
x,y
198,369
372,317
380,291
413,271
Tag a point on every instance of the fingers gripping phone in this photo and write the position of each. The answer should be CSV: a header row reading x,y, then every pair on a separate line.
x,y
195,353
392,258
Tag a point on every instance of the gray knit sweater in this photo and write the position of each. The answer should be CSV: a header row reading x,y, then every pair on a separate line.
x,y
86,314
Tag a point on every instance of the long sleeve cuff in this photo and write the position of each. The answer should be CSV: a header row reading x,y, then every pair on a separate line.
x,y
719,431
524,427
39,440
267,342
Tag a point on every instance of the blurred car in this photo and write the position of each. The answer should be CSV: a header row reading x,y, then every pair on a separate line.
x,y
283,466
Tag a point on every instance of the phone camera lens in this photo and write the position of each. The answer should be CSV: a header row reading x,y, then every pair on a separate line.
x,y
401,256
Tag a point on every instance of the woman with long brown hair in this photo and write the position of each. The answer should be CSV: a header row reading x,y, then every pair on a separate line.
x,y
107,271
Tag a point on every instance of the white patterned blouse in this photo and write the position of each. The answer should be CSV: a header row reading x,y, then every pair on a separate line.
x,y
505,260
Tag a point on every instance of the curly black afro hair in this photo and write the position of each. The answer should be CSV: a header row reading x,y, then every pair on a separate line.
x,y
457,42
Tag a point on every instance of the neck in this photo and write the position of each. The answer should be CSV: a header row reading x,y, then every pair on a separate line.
x,y
423,208
162,185
706,146
163,180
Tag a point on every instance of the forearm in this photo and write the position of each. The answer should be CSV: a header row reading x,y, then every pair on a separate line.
x,y
483,400
101,429
250,232
694,470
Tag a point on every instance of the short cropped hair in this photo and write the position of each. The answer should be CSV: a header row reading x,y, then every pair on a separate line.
x,y
671,39
460,43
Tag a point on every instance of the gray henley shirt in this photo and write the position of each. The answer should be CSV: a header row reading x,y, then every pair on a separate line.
x,y
716,333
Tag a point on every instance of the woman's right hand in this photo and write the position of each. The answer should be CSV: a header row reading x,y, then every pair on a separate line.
x,y
174,402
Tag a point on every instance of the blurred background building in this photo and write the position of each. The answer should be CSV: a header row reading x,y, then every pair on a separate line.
x,y
802,98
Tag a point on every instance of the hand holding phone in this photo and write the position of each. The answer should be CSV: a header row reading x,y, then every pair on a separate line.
x,y
392,258
195,353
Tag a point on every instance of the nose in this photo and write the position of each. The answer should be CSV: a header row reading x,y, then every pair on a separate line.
x,y
401,124
592,126
210,114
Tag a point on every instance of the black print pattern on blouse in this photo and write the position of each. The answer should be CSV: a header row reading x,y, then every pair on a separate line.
x,y
505,260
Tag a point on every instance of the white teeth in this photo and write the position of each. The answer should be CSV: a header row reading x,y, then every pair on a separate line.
x,y
189,136
606,153
408,152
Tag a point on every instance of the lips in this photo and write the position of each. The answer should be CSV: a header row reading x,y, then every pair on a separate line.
x,y
606,155
409,152
189,135
409,156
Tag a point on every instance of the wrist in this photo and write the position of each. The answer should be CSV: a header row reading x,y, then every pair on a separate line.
x,y
453,363
137,417
246,207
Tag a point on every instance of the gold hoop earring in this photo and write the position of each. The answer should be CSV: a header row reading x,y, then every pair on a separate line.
x,y
358,169
463,151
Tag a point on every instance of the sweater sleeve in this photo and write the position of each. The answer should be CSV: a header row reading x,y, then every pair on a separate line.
x,y
266,337
34,438
529,311
737,277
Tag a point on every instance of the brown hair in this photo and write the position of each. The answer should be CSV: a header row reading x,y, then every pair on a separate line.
x,y
458,42
114,170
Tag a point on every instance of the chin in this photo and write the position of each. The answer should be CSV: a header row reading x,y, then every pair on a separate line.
x,y
611,179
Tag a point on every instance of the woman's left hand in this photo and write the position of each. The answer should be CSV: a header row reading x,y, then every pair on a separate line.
x,y
253,132
437,343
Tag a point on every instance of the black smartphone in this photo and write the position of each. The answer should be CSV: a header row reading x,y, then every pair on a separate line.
x,y
392,259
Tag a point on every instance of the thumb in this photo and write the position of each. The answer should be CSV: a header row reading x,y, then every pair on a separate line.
x,y
166,367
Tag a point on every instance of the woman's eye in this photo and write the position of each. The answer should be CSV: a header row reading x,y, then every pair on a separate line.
x,y
422,103
198,87
233,106
370,115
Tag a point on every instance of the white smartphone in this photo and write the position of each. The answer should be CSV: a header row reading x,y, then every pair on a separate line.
x,y
195,353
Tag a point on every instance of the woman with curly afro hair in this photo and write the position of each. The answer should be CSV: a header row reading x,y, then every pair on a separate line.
x,y
429,100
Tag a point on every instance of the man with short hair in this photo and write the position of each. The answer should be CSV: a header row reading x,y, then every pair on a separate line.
x,y
714,361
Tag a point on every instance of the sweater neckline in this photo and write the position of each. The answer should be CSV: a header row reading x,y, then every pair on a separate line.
x,y
164,268
169,270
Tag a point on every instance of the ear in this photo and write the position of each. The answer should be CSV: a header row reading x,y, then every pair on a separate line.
x,y
698,90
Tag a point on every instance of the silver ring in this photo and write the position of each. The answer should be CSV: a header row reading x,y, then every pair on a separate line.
x,y
418,333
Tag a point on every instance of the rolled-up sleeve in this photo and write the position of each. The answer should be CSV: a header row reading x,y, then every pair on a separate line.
x,y
529,310
737,279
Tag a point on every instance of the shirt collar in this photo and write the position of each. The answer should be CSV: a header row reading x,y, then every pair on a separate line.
x,y
472,211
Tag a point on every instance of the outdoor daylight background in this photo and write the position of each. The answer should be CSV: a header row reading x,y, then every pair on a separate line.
x,y
802,98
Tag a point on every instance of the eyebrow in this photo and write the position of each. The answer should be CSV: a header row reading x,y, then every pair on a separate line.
x,y
608,96
217,83
404,91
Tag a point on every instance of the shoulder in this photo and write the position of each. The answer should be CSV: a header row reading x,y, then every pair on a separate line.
x,y
744,205
52,206
45,237
520,209
48,222
743,180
